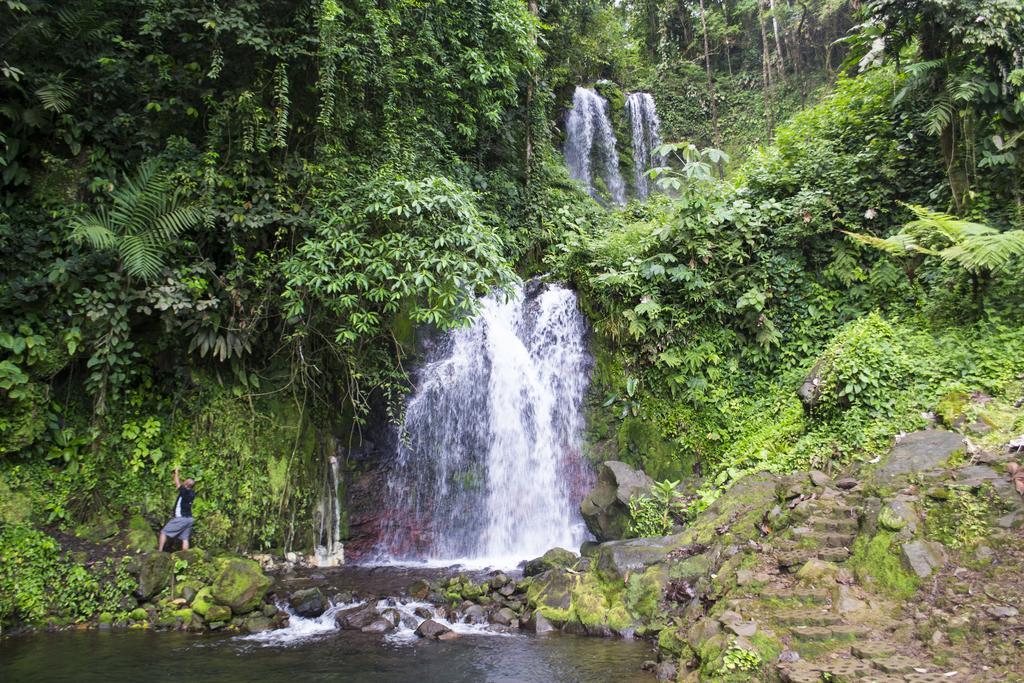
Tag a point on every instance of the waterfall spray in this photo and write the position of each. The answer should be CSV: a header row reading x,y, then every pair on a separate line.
x,y
643,119
590,143
490,447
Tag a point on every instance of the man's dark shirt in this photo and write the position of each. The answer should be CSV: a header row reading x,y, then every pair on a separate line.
x,y
185,498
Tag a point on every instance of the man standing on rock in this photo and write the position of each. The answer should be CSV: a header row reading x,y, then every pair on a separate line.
x,y
180,525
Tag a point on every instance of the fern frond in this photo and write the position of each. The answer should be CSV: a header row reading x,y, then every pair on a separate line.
x,y
939,115
177,220
94,229
897,245
56,96
140,256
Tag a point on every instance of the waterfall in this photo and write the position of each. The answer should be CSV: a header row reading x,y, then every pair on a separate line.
x,y
488,468
590,143
643,119
329,551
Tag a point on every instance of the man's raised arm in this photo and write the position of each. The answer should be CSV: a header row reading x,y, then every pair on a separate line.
x,y
177,481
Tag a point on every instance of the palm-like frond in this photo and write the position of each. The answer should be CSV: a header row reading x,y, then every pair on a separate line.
x,y
146,215
56,96
973,246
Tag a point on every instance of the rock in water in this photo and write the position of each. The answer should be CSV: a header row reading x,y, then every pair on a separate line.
x,y
241,585
355,618
606,507
380,625
309,603
556,558
431,629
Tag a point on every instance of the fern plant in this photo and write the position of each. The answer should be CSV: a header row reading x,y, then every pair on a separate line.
x,y
982,251
146,215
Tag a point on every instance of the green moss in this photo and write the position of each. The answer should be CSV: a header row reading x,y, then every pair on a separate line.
x,y
876,561
643,592
671,642
961,519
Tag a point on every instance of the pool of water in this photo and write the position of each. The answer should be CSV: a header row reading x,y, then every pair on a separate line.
x,y
107,657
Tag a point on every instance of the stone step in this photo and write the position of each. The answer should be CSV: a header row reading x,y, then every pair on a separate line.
x,y
870,649
792,560
808,618
814,597
897,664
963,674
827,539
833,524
799,672
836,555
812,633
846,671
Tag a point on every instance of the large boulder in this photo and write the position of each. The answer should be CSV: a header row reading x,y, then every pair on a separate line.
x,y
556,558
918,453
620,558
155,571
810,391
240,584
606,507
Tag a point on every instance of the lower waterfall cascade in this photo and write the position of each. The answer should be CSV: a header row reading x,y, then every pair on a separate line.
x,y
488,468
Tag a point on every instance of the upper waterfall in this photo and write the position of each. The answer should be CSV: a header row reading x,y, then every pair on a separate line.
x,y
488,468
590,143
643,120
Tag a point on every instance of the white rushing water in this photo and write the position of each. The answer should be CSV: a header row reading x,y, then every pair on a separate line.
x,y
303,629
590,144
490,445
643,120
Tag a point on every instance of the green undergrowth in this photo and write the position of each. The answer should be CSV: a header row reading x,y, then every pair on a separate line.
x,y
255,462
880,374
40,585
876,562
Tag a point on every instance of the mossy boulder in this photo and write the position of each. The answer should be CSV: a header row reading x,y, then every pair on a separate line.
x,y
155,570
550,594
606,507
138,614
617,559
140,535
203,601
217,613
240,584
599,607
556,558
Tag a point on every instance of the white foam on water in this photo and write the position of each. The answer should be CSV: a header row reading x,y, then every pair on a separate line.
x,y
299,629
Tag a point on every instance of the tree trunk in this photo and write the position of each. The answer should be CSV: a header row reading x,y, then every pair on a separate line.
x,y
711,85
528,143
778,40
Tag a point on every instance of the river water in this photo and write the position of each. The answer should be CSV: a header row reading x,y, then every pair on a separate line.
x,y
112,657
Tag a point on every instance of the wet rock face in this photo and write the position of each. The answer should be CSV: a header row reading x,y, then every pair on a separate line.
x,y
606,508
432,630
556,558
309,603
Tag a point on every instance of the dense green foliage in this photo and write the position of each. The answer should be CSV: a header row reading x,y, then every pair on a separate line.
x,y
225,227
